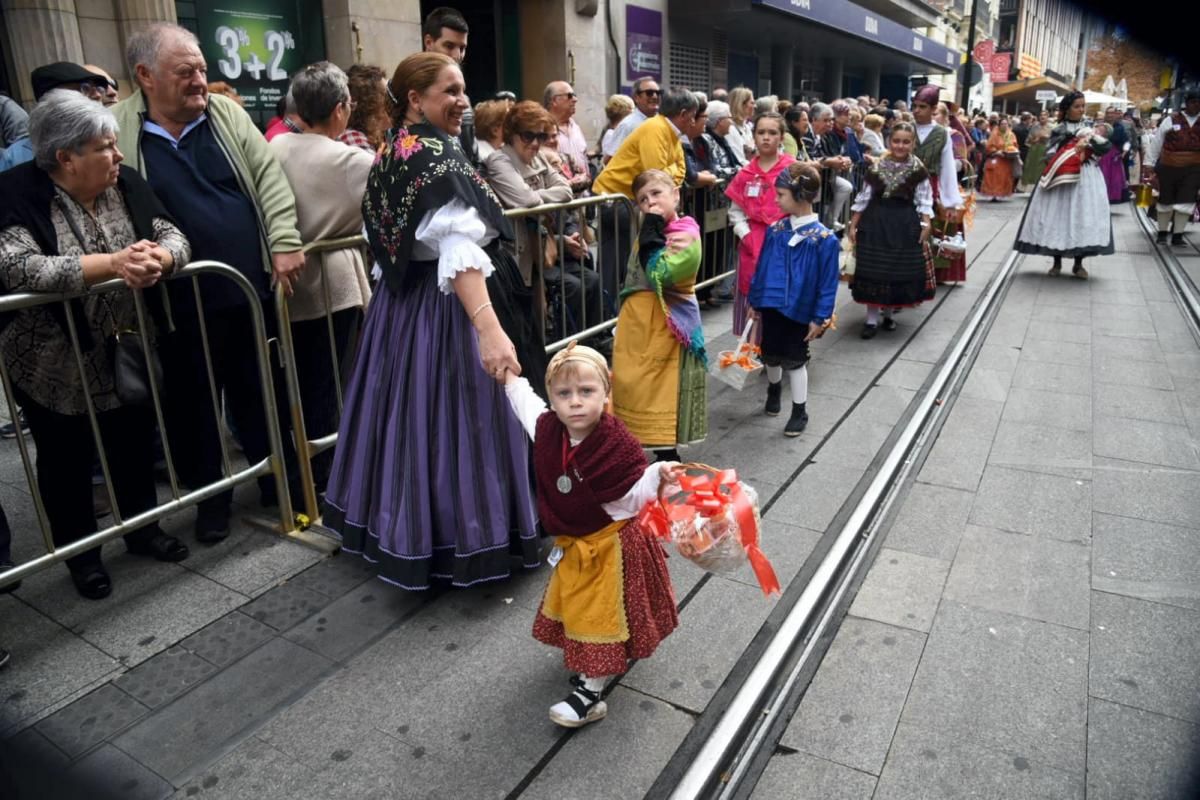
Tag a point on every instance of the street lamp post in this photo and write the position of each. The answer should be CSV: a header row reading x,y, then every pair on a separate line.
x,y
966,82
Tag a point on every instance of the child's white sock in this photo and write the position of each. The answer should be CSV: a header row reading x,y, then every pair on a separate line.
x,y
872,315
798,378
774,374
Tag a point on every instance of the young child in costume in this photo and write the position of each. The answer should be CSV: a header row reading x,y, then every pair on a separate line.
x,y
794,289
659,361
889,230
610,598
753,208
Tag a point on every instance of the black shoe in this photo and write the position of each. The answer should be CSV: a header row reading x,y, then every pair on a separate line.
x,y
9,430
3,657
889,324
5,566
161,546
1176,239
774,393
869,331
93,583
212,524
1161,238
798,421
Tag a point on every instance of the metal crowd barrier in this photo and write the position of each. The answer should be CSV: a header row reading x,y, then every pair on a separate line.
x,y
710,208
273,464
856,175
606,214
605,257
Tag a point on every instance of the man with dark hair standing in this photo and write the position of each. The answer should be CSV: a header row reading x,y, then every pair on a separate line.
x,y
445,31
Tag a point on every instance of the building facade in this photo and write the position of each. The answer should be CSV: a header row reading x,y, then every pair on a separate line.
x,y
797,49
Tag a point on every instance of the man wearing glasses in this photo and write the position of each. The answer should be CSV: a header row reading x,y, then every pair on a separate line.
x,y
109,87
59,75
646,98
560,100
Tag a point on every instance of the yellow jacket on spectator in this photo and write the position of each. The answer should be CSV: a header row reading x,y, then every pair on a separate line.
x,y
653,145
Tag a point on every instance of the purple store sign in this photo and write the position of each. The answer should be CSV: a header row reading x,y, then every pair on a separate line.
x,y
643,43
862,23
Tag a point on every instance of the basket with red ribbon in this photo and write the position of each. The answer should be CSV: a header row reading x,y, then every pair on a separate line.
x,y
712,518
734,367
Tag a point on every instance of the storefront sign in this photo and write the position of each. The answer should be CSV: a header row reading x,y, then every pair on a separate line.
x,y
1000,66
1043,95
250,44
862,23
643,43
984,51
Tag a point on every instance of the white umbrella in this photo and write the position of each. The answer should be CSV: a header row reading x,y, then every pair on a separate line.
x,y
1101,99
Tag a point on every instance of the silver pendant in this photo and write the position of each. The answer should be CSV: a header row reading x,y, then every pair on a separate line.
x,y
564,484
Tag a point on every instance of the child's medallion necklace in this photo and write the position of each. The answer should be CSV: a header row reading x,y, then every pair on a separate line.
x,y
563,483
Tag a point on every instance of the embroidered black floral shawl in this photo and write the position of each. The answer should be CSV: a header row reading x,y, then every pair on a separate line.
x,y
420,169
890,178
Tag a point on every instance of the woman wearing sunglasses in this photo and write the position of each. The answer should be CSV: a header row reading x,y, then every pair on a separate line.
x,y
523,178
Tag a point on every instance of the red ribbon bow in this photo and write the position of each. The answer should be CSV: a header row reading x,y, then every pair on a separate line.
x,y
711,494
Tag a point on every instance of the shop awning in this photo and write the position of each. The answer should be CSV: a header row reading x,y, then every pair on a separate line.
x,y
1025,91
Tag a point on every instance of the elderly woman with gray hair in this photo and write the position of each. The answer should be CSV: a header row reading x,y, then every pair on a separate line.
x,y
329,180
70,219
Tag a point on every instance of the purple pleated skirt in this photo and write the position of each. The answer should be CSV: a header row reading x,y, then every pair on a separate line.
x,y
1114,175
431,474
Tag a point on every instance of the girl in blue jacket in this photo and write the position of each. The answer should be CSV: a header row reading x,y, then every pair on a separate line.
x,y
794,288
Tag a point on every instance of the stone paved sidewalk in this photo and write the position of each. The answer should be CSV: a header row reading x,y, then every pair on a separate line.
x,y
258,669
1031,626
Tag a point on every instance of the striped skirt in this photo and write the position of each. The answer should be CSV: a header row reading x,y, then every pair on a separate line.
x,y
431,476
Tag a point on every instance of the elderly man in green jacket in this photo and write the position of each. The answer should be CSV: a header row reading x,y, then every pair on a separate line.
x,y
213,171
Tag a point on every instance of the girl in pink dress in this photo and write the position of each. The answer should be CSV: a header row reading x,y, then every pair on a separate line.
x,y
754,209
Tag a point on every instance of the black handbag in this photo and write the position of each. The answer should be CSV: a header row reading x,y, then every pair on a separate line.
x,y
131,370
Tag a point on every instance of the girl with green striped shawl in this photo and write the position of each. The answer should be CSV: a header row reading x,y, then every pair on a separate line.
x,y
659,362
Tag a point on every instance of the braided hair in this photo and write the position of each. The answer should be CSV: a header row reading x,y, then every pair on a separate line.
x,y
802,179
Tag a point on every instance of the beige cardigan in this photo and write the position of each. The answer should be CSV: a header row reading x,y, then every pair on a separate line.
x,y
328,179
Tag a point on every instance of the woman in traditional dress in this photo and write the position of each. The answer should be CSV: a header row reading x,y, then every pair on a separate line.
x,y
754,209
889,230
935,150
1035,159
1068,214
1002,155
430,480
960,141
1112,166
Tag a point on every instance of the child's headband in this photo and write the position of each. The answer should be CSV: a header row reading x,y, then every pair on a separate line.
x,y
784,181
580,354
